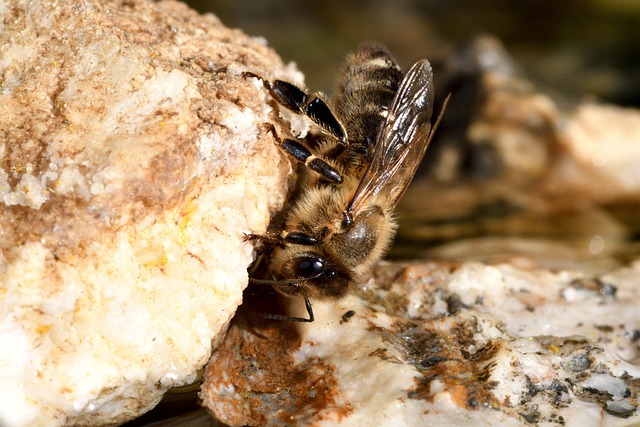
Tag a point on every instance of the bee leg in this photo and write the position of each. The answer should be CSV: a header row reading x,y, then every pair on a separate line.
x,y
303,155
291,237
300,102
310,160
307,303
269,238
310,105
273,316
299,238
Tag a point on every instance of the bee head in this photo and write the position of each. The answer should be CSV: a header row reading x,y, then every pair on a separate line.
x,y
311,274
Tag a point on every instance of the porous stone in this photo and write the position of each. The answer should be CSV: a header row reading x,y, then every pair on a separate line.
x,y
133,158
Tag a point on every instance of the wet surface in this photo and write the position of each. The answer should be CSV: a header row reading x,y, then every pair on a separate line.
x,y
594,240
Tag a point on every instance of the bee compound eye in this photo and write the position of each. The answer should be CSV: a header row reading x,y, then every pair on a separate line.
x,y
309,266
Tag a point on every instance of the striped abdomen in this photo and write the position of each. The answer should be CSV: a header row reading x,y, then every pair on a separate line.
x,y
366,88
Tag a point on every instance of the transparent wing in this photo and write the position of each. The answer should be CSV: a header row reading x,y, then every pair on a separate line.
x,y
401,142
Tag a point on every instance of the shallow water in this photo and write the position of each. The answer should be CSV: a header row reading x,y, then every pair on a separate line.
x,y
594,240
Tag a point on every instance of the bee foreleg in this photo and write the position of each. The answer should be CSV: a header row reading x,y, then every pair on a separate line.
x,y
273,316
299,238
291,237
307,303
300,102
269,238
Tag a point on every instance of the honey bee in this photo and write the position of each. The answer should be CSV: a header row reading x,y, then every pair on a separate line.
x,y
341,222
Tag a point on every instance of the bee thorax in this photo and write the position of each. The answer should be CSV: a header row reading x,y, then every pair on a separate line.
x,y
361,241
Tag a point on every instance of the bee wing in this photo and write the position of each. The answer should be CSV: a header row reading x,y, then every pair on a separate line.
x,y
401,143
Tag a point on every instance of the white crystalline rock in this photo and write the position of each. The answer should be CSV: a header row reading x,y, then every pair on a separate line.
x,y
508,350
131,167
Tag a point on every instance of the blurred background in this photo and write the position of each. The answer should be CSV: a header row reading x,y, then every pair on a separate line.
x,y
579,47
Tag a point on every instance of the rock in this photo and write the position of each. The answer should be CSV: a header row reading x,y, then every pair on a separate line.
x,y
134,157
601,147
440,344
517,141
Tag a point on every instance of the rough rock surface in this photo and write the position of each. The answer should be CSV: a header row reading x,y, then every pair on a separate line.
x,y
441,344
132,160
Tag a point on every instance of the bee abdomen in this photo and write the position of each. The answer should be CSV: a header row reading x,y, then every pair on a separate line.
x,y
368,84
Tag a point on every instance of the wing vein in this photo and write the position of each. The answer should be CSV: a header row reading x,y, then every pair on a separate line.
x,y
401,143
